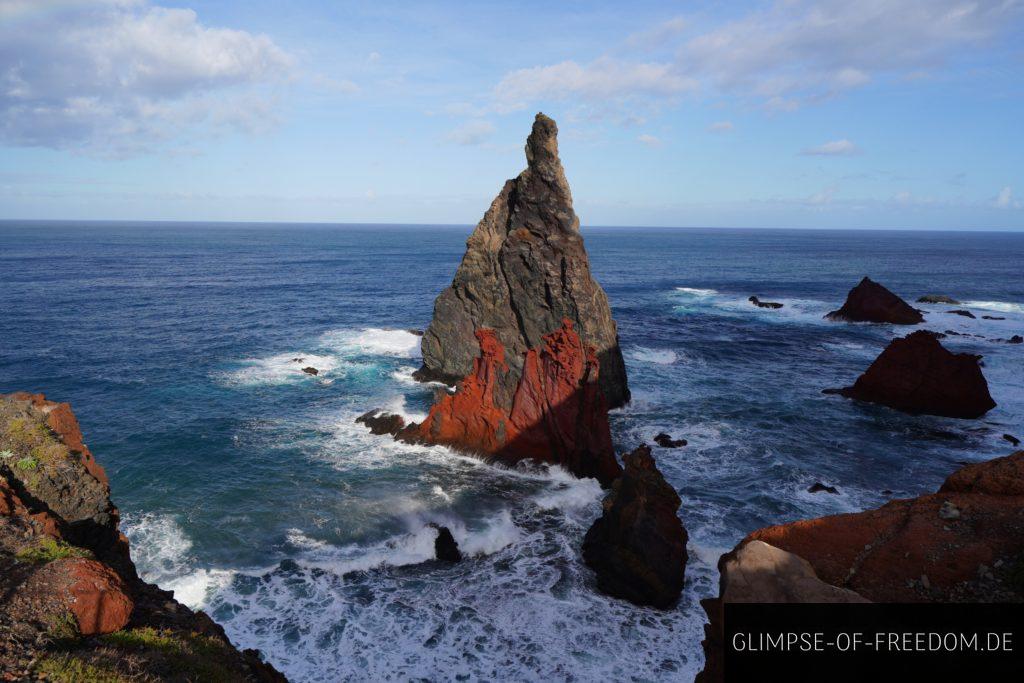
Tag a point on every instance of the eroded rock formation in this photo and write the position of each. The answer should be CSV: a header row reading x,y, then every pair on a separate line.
x,y
964,543
873,303
557,413
73,603
916,374
525,270
637,547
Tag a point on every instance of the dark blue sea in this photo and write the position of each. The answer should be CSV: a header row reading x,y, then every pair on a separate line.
x,y
247,489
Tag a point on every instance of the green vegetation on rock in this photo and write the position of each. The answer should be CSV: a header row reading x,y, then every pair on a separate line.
x,y
50,549
67,668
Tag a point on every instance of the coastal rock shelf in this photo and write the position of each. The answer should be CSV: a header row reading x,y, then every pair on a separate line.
x,y
74,607
525,270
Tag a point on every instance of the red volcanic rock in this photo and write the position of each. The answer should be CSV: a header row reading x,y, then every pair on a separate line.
x,y
90,590
61,419
637,547
871,302
558,413
916,374
964,543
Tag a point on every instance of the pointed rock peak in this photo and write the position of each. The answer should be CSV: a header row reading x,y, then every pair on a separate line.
x,y
542,144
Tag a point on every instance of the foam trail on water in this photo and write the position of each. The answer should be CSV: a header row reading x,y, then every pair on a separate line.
x,y
1003,306
656,356
283,368
373,341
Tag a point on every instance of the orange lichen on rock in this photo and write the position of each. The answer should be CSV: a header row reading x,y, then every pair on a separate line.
x,y
558,414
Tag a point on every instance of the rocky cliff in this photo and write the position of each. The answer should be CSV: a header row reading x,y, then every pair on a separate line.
x,y
525,270
963,543
72,606
557,413
916,374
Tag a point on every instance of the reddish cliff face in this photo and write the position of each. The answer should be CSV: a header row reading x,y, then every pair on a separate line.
x,y
558,413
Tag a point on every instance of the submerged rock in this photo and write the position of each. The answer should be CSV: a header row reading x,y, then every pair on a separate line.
x,y
1015,339
666,441
1012,439
558,414
871,302
992,317
445,547
382,422
637,547
764,304
916,374
525,270
311,371
966,314
937,299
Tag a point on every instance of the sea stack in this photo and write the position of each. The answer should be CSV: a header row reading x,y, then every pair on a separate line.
x,y
916,374
637,547
870,302
525,270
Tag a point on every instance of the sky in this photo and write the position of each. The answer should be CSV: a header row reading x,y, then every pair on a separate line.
x,y
834,114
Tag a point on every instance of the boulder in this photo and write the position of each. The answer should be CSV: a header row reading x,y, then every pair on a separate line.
x,y
666,441
961,312
637,547
381,422
558,413
763,304
937,299
871,302
916,374
525,270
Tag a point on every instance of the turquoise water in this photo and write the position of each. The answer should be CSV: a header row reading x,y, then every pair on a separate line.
x,y
247,489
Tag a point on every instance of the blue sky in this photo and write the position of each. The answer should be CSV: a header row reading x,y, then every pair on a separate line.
x,y
870,114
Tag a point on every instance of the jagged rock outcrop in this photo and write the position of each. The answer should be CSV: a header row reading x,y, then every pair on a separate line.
x,y
964,543
764,304
73,604
557,413
637,547
525,270
871,302
445,547
760,573
382,422
916,374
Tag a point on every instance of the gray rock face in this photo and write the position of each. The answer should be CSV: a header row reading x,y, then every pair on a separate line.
x,y
524,271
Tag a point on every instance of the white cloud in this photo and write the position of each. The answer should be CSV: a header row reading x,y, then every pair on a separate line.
x,y
604,80
649,140
720,127
1005,200
118,76
784,57
824,197
834,148
471,133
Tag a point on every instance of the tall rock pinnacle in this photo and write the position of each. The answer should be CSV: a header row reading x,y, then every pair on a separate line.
x,y
525,270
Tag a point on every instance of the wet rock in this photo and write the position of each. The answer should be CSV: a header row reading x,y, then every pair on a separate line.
x,y
666,441
763,304
525,270
966,314
445,547
637,547
558,414
992,317
937,299
311,371
1012,439
818,487
382,422
1015,339
413,330
871,302
916,374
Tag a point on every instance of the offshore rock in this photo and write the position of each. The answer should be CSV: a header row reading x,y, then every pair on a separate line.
x,y
445,547
905,551
916,374
525,270
666,441
637,547
66,573
764,304
873,303
381,422
937,299
557,414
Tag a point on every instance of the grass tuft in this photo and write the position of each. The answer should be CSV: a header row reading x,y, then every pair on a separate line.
x,y
50,549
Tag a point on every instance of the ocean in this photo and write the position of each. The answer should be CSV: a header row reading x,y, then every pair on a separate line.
x,y
246,487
